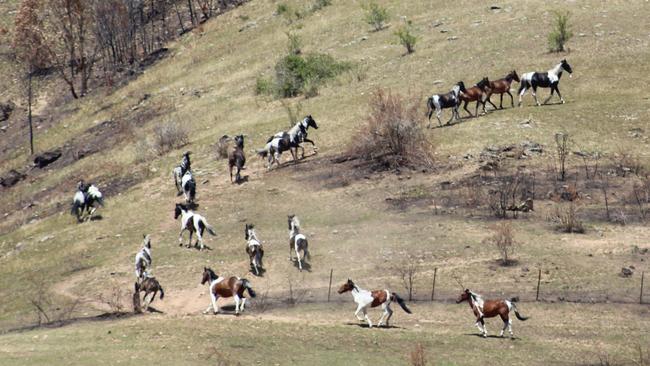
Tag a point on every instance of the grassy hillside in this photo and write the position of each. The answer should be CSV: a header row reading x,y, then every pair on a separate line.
x,y
207,83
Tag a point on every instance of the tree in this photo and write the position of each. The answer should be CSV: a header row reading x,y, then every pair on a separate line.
x,y
31,53
69,25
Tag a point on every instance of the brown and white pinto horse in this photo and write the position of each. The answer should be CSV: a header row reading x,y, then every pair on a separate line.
x,y
489,309
226,287
365,299
502,86
475,93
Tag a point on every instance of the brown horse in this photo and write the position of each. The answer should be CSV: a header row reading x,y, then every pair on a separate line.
x,y
489,309
475,93
365,299
148,285
502,86
226,287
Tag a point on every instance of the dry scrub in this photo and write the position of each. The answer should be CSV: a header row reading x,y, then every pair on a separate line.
x,y
393,136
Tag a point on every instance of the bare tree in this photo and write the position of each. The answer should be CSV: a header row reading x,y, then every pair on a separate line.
x,y
407,269
503,240
562,144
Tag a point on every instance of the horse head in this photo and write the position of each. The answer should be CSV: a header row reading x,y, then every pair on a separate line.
x,y
248,234
514,76
464,296
567,67
461,87
239,141
290,220
311,122
147,241
208,275
484,84
178,210
347,286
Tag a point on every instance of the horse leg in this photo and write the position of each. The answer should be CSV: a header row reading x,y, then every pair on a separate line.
x,y
385,312
365,315
180,237
557,89
501,100
505,324
189,243
237,301
243,304
512,99
550,95
299,261
199,240
522,91
356,313
484,328
290,251
535,95
230,168
438,113
465,108
390,314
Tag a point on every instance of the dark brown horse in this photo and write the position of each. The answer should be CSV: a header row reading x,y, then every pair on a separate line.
x,y
237,158
226,287
489,309
148,285
475,93
365,299
502,86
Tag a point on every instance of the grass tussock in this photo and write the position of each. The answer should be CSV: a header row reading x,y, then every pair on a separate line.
x,y
393,135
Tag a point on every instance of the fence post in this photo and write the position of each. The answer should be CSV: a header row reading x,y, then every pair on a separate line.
x,y
329,289
641,295
433,286
539,279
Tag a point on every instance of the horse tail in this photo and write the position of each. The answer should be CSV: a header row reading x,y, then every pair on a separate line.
x,y
100,200
137,287
75,207
248,287
514,307
307,254
402,304
430,107
209,228
258,256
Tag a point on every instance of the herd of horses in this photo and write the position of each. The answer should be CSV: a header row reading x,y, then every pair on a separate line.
x,y
484,89
88,196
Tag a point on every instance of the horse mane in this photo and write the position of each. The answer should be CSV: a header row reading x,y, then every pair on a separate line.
x,y
296,224
213,276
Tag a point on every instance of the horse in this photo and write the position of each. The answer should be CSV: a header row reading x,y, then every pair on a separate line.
x,y
143,259
226,287
189,187
438,102
297,241
489,309
85,199
501,86
149,285
237,158
549,79
192,222
179,171
365,299
253,249
475,93
290,140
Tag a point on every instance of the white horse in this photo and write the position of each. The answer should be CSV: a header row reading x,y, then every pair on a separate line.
x,y
253,248
189,187
192,222
297,241
365,299
84,200
143,259
179,171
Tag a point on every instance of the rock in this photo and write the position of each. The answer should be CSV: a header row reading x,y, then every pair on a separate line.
x,y
11,178
248,25
495,7
5,110
436,82
626,272
452,38
436,24
47,158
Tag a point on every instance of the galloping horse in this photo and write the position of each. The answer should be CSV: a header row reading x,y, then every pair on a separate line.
x,y
179,171
192,222
489,309
237,158
253,248
189,187
226,287
549,79
290,140
85,199
149,285
143,259
438,102
502,86
474,93
297,241
365,299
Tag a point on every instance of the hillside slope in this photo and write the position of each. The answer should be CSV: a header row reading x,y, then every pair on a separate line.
x,y
361,224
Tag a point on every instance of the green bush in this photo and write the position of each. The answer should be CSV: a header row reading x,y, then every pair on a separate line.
x,y
263,86
282,8
406,39
297,74
319,4
376,15
561,32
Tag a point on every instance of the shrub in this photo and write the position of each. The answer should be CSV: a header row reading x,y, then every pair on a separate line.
x,y
406,39
294,44
393,135
503,240
169,136
566,217
375,15
282,8
294,72
319,4
561,32
263,86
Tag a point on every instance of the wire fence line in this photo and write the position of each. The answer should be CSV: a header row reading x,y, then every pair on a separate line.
x,y
535,289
